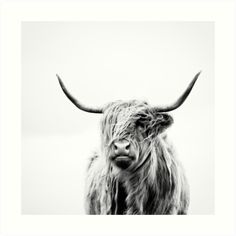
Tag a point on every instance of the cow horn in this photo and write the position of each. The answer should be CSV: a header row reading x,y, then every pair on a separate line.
x,y
75,102
180,100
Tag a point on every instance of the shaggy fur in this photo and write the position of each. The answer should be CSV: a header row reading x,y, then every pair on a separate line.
x,y
155,183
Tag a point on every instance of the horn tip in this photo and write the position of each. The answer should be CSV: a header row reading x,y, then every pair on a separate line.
x,y
199,73
58,77
196,76
61,83
59,80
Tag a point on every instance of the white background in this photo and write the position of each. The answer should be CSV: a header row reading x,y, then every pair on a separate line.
x,y
101,62
222,13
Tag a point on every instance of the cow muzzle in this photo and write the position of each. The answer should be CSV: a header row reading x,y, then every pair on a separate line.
x,y
122,154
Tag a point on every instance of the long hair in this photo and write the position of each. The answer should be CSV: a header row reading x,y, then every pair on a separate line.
x,y
155,185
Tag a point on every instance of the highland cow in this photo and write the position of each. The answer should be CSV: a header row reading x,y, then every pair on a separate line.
x,y
137,171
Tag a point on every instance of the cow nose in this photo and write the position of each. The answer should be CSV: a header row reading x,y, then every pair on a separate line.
x,y
122,147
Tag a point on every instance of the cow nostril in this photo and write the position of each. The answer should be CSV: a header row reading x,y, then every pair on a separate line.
x,y
127,147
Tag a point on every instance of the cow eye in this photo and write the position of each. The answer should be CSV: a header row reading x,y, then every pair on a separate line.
x,y
140,126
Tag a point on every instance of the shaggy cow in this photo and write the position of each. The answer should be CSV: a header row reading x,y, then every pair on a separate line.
x,y
137,171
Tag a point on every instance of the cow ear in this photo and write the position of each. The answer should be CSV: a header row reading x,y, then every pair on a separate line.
x,y
163,121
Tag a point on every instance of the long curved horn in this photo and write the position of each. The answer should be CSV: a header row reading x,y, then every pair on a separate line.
x,y
180,100
75,102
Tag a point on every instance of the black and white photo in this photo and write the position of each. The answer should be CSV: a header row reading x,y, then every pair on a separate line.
x,y
137,70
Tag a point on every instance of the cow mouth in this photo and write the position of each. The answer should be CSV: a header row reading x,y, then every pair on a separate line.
x,y
123,162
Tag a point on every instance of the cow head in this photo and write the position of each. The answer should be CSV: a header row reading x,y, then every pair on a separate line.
x,y
130,128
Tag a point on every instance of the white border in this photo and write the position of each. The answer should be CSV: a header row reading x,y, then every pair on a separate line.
x,y
222,13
